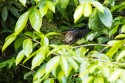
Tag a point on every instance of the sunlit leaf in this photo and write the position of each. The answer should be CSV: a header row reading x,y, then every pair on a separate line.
x,y
21,23
106,17
36,1
27,47
8,41
50,80
17,42
113,31
50,5
92,68
23,2
19,57
43,10
78,12
37,60
114,49
4,13
98,5
40,72
123,29
87,9
64,65
35,19
53,63
99,80
120,36
73,63
121,55
44,41
52,34
115,75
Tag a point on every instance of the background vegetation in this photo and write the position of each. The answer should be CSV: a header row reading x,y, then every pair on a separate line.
x,y
32,41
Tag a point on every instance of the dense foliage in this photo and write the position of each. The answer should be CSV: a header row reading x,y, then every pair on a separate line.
x,y
32,41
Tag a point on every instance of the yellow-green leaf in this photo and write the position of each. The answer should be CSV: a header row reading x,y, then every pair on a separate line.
x,y
44,41
23,2
53,63
37,60
123,29
99,80
98,5
87,9
121,55
35,19
9,40
50,5
78,12
73,63
19,57
115,75
43,10
21,22
27,47
64,65
120,36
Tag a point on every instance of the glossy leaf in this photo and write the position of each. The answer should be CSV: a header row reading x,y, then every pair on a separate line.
x,y
73,63
21,23
114,49
43,10
8,41
27,47
98,5
123,29
121,55
64,65
44,41
99,80
37,60
78,12
4,13
115,75
106,17
50,5
87,9
35,19
106,71
41,71
19,57
23,2
17,42
53,63
120,36
113,31
52,34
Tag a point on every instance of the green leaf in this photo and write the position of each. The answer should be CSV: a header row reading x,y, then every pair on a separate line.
x,y
17,43
63,3
73,63
41,71
44,41
94,21
115,75
8,41
50,5
121,55
120,36
37,60
87,9
4,13
113,31
105,71
21,22
50,80
43,10
23,2
106,17
49,15
123,29
92,68
99,80
52,34
19,57
114,49
64,65
52,63
36,1
35,19
98,5
27,47
78,12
